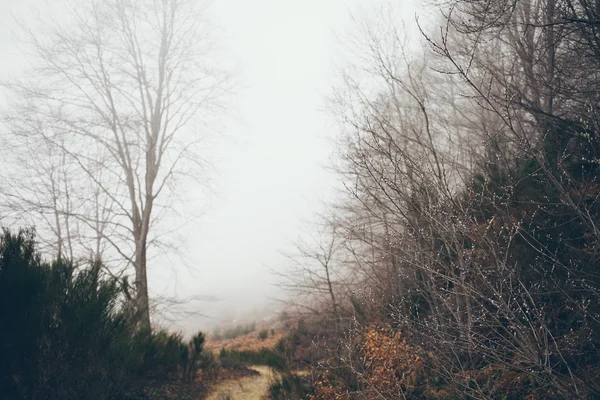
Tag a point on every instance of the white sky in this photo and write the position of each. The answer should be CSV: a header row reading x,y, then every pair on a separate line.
x,y
271,177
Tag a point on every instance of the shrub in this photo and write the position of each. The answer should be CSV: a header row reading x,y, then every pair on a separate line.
x,y
263,334
67,334
193,354
269,357
384,366
392,364
238,330
233,332
208,365
290,386
64,334
161,353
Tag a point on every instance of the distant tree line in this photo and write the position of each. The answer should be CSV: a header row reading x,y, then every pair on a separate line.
x,y
233,332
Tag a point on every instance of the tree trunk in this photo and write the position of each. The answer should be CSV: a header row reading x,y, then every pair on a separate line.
x,y
141,285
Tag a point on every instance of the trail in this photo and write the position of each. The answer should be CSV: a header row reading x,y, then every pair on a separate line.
x,y
248,388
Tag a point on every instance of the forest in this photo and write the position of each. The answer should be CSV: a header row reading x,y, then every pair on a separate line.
x,y
457,259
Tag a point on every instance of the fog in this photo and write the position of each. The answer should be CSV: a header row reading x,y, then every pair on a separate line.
x,y
417,187
270,150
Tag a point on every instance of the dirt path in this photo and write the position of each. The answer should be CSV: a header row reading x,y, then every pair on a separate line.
x,y
249,388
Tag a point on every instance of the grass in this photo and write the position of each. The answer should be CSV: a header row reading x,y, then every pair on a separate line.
x,y
265,356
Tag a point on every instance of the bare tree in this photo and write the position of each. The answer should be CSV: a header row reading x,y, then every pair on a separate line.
x,y
124,91
41,193
472,199
43,186
315,273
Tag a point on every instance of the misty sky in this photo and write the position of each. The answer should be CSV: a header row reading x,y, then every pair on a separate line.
x,y
270,160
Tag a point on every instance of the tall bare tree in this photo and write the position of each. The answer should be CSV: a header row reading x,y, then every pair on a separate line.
x,y
124,88
315,272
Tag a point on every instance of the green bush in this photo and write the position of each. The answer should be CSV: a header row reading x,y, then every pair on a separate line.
x,y
263,334
161,353
208,364
67,334
64,334
194,352
290,386
269,357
